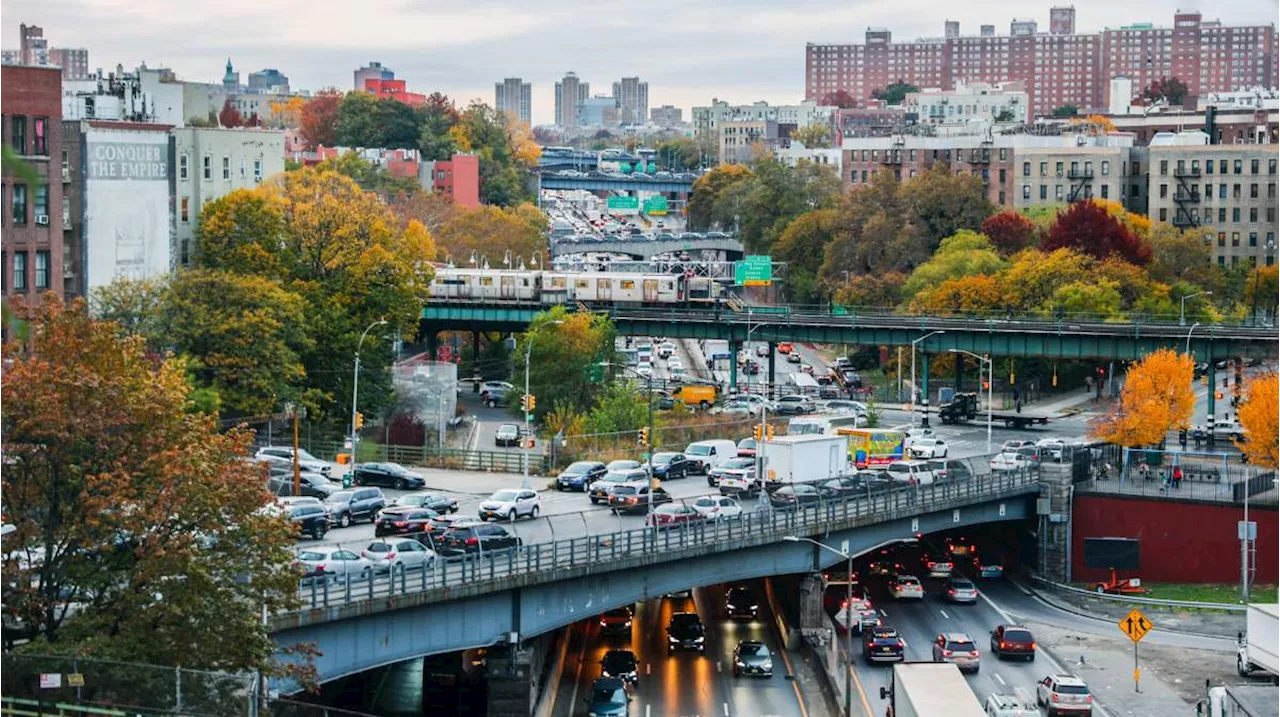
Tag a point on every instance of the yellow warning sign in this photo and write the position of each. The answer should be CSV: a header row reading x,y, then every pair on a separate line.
x,y
1135,625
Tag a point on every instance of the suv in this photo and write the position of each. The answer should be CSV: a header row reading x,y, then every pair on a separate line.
x,y
508,434
633,498
1013,640
616,621
608,698
620,664
510,504
958,649
685,632
476,538
740,604
310,518
600,489
883,644
284,454
1064,694
910,472
580,475
794,405
348,506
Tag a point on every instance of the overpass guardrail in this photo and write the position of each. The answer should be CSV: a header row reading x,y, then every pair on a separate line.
x,y
567,557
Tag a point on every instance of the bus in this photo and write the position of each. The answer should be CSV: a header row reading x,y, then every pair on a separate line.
x,y
874,446
812,425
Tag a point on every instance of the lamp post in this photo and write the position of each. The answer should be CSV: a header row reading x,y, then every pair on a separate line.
x,y
1188,349
1182,305
991,382
648,380
913,376
355,392
295,412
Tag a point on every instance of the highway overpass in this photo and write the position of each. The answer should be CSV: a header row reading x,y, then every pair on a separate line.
x,y
730,247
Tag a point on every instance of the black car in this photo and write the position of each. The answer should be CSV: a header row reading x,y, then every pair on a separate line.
x,y
400,519
620,664
632,498
479,538
616,621
685,632
310,518
883,644
840,488
347,506
438,502
741,604
580,475
791,496
389,475
671,466
310,484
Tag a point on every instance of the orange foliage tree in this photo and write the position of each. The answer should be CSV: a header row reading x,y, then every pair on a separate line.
x,y
967,294
1258,416
1157,398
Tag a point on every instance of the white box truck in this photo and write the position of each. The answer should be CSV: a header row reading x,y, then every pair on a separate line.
x,y
930,689
1260,643
801,459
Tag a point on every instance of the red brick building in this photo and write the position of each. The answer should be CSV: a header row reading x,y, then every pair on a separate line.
x,y
457,178
31,214
394,89
1060,67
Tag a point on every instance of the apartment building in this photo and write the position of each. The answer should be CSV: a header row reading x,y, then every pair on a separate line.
x,y
708,118
1063,174
1005,102
31,241
570,92
514,97
739,139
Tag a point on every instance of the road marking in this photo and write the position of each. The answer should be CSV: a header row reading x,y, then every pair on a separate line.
x,y
862,694
998,678
884,613
577,677
648,668
726,708
795,685
944,613
718,666
646,710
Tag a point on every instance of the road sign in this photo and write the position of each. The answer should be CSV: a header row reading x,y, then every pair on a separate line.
x,y
753,271
655,205
623,205
1135,625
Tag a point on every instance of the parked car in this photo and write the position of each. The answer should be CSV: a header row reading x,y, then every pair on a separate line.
x,y
741,604
1064,694
960,590
508,434
311,484
476,538
620,664
631,498
608,698
673,515
883,644
510,504
311,519
928,448
752,657
332,562
1013,641
600,489
284,454
958,649
347,506
439,502
906,587
794,405
398,555
670,466
403,520
685,632
717,507
390,475
791,496
580,475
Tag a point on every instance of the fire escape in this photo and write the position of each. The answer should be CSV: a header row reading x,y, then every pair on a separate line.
x,y
1186,196
1081,181
893,156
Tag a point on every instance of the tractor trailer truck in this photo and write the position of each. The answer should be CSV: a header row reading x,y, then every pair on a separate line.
x,y
930,689
1260,643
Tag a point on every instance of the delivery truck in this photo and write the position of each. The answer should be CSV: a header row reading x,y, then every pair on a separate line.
x,y
930,689
1260,643
802,459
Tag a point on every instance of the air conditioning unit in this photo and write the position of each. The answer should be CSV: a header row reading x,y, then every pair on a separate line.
x,y
42,219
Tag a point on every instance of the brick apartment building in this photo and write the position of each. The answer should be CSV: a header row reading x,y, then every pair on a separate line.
x,y
1059,67
457,178
31,218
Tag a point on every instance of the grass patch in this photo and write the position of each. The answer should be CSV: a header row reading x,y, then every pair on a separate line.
x,y
1193,592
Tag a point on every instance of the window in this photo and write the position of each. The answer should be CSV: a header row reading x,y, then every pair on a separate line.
x,y
184,166
42,270
18,140
1058,168
66,212
1237,166
1164,167
1235,238
1026,191
1222,215
40,132
1253,214
1002,175
1222,167
1271,191
1044,191
1164,214
20,271
226,168
1004,153
1106,168
19,212
1222,260
1271,166
1235,214
1222,191
1001,197
1026,169
40,200
1253,191
1208,166
1164,191
1253,166
1044,169
1235,191
66,164
1271,215
208,167
1106,191
1136,190
185,209
1253,238
257,171
1222,238
1195,166
1057,192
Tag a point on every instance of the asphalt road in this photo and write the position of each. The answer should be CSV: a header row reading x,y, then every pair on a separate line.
x,y
683,684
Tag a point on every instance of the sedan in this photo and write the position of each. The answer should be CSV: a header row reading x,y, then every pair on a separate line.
x,y
398,555
792,356
671,466
717,507
673,514
928,448
620,664
332,561
752,657
883,644
508,434
740,604
961,590
632,498
402,520
790,496
747,448
579,475
438,502
762,350
906,587
389,475
491,386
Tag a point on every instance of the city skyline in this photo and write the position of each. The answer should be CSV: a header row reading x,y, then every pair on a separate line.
x,y
763,59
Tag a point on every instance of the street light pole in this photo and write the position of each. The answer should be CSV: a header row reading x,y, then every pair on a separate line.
x,y
991,382
524,444
1188,349
1182,309
355,392
913,373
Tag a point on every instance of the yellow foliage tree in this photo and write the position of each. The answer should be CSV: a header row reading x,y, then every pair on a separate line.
x,y
1258,416
524,147
461,140
1157,398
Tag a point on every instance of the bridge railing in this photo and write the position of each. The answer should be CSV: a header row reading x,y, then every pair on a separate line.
x,y
586,550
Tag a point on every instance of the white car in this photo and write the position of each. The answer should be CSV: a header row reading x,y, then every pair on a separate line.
x,y
666,349
915,434
644,370
928,448
398,555
906,587
1064,694
1052,448
1014,444
748,403
1023,458
716,507
910,472
333,562
857,408
284,454
762,350
508,434
510,504
674,363
500,386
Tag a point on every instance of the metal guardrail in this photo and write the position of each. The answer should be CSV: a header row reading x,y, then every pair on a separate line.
x,y
492,570
1139,600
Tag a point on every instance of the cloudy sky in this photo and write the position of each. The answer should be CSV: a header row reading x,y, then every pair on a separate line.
x,y
689,52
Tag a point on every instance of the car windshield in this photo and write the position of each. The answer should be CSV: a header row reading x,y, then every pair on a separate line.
x,y
908,580
1071,689
961,584
506,496
618,612
620,660
508,428
883,634
623,465
754,648
663,458
747,443
579,467
610,695
696,450
341,496
739,595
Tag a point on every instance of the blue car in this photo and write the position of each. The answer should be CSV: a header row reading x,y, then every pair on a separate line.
x,y
671,466
580,475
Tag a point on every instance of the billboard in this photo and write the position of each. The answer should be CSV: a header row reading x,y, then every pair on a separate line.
x,y
127,212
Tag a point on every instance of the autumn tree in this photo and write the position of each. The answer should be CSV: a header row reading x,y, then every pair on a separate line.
x,y
1261,290
707,206
134,305
980,294
1009,232
1170,89
839,98
1258,417
565,347
125,498
1157,398
882,291
287,113
962,254
370,176
1178,255
1088,227
801,245
318,120
813,136
494,234
1093,299
774,195
431,209
229,116
942,203
875,234
1034,276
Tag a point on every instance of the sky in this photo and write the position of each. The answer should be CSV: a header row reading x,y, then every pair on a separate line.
x,y
689,52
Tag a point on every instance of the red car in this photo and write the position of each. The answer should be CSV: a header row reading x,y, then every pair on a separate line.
x,y
1012,641
673,514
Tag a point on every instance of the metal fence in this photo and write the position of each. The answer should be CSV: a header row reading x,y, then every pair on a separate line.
x,y
435,457
572,543
1216,477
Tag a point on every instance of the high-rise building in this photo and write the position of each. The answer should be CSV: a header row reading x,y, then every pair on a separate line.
x,y
666,116
34,47
269,80
34,50
1060,67
371,71
515,97
570,92
633,100
231,78
952,29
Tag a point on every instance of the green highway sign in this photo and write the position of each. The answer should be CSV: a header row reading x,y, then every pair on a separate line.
x,y
655,205
623,205
753,271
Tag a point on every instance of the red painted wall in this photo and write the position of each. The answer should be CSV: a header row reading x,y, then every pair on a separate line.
x,y
1179,541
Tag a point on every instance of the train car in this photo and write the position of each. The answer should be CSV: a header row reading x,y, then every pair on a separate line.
x,y
624,288
470,283
556,287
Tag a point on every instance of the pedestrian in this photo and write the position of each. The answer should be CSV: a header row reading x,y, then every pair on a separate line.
x,y
1164,481
1177,477
1088,384
1145,471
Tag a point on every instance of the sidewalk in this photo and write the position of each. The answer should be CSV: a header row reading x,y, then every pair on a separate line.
x,y
1070,404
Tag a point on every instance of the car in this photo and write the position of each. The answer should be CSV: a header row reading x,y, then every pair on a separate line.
x,y
398,555
685,632
762,349
620,664
1052,448
670,466
1013,444
840,405
601,488
347,506
912,473
508,434
288,500
859,615
958,649
438,502
389,475
741,604
906,587
946,470
636,497
961,547
464,538
884,568
488,387
793,356
752,657
794,495
751,367
332,562
747,448
608,698
936,567
1020,459
989,569
622,465
310,484
1013,641
402,520
673,515
616,621
284,454
580,475
960,590
666,349
736,467
928,448
674,363
511,503
717,507
883,644
785,347
794,405
1064,694
917,433
311,518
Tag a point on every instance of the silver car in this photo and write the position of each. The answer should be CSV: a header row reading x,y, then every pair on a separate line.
x,y
958,649
398,555
333,562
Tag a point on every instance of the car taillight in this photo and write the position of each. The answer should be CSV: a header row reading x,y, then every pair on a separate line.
x,y
391,555
901,643
946,653
1033,644
1054,696
472,541
1088,698
400,523
952,591
320,568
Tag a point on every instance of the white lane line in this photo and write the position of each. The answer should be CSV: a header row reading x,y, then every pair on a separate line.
x,y
884,613
944,613
998,678
648,668
717,666
646,710
726,708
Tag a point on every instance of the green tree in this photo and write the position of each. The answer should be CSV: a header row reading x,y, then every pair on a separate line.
x,y
1181,256
964,253
876,232
1034,275
679,154
565,350
801,245
439,115
617,409
357,121
1066,111
814,136
942,203
776,194
895,93
134,305
708,206
1098,299
369,176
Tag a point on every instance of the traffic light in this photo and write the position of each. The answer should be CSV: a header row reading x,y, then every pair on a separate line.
x,y
757,432
528,403
533,402
643,437
359,421
769,432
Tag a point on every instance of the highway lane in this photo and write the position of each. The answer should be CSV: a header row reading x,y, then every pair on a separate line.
x,y
685,683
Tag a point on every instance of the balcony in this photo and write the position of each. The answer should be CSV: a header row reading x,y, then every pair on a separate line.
x,y
1185,220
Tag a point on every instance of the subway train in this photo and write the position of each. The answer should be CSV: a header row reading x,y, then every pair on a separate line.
x,y
523,286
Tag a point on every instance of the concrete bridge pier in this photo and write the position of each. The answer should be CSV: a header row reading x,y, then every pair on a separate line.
x,y
510,675
924,389
734,348
1053,528
812,615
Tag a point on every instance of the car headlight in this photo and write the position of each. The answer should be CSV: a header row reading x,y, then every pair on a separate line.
x,y
698,639
768,665
738,662
672,638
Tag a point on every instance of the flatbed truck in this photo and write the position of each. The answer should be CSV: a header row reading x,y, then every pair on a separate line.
x,y
964,408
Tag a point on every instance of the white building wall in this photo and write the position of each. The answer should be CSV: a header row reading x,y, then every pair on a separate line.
x,y
126,194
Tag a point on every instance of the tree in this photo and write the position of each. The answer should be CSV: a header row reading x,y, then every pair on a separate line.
x,y
1156,399
439,115
774,195
1180,256
840,99
1100,299
358,121
229,116
244,231
1066,111
877,233
1170,89
814,136
895,93
494,234
1092,124
944,203
964,253
141,508
679,154
801,245
286,114
318,121
566,347
1005,115
706,207
618,409
134,305
1009,231
1261,288
431,209
1034,276
369,176
1088,227
882,291
978,294
1258,418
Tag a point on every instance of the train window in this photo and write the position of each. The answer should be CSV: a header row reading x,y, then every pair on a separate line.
x,y
524,281
486,281
666,285
557,282
580,283
627,284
